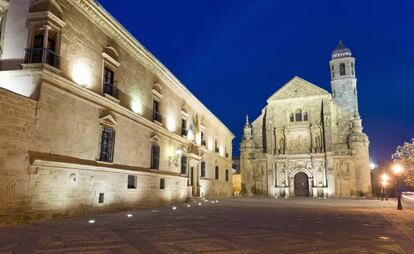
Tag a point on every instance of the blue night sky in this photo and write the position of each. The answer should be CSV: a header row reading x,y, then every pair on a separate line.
x,y
248,49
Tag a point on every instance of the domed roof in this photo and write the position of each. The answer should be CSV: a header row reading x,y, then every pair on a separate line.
x,y
341,51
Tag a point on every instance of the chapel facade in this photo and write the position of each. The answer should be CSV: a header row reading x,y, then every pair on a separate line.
x,y
307,141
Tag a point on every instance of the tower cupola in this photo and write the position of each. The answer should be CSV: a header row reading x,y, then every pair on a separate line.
x,y
343,79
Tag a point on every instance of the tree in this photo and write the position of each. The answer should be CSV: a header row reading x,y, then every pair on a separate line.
x,y
405,155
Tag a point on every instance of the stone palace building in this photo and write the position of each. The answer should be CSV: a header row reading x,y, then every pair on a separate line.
x,y
91,121
308,142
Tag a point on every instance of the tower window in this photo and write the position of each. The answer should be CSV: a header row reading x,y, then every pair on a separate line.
x,y
342,69
352,69
216,173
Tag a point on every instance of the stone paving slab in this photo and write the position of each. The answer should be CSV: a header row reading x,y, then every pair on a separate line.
x,y
233,226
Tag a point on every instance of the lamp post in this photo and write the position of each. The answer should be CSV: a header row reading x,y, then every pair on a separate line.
x,y
384,183
398,169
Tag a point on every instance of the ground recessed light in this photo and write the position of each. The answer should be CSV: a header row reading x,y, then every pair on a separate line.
x,y
91,221
129,215
188,205
199,203
216,201
174,208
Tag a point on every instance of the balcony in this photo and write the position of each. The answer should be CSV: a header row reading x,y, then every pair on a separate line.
x,y
42,55
156,116
111,90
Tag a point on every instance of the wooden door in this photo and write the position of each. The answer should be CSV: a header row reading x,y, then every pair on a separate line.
x,y
301,185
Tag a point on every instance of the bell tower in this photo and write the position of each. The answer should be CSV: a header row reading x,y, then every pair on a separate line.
x,y
343,79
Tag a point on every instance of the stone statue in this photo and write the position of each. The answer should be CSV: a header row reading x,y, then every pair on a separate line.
x,y
282,145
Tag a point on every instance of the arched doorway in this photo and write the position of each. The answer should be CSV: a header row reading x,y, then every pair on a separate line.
x,y
301,185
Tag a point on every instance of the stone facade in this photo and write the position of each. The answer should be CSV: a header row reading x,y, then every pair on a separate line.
x,y
308,142
81,75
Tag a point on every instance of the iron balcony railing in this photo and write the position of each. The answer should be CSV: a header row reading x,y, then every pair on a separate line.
x,y
42,55
156,116
111,89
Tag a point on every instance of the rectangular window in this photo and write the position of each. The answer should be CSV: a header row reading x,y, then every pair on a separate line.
x,y
101,198
132,182
203,169
216,146
108,83
305,116
183,127
217,173
183,165
107,145
162,184
203,142
155,157
156,114
40,53
227,175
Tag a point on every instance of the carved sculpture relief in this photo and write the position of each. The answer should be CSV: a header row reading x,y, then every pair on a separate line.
x,y
343,169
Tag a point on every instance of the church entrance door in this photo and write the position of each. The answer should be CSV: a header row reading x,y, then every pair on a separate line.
x,y
301,185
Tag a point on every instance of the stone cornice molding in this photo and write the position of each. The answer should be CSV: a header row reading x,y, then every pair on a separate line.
x,y
115,30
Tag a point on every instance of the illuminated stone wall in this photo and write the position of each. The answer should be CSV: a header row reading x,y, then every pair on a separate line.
x,y
17,126
50,167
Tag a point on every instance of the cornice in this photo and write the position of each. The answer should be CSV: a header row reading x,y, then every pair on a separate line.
x,y
115,30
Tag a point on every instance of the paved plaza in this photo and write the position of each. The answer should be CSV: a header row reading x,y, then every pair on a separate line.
x,y
243,225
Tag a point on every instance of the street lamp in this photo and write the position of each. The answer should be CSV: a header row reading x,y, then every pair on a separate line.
x,y
398,169
384,183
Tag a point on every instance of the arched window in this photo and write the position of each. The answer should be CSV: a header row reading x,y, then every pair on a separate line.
x,y
333,71
203,169
183,165
298,115
342,69
155,156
